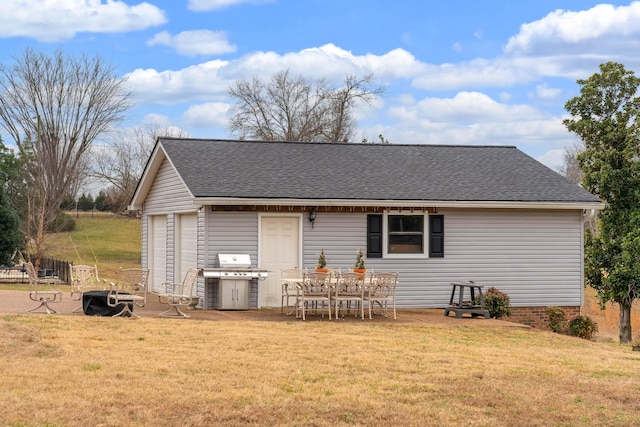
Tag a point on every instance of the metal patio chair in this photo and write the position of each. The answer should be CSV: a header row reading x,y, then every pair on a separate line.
x,y
381,290
179,294
289,278
41,290
349,290
130,288
314,290
84,278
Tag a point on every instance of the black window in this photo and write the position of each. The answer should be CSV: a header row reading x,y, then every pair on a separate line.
x,y
405,234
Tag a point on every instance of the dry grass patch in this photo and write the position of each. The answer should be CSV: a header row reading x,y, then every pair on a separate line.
x,y
101,371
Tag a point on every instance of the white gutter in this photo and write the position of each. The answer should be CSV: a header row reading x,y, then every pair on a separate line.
x,y
396,203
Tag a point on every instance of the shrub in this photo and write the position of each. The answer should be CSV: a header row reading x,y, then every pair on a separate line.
x,y
557,319
583,327
62,223
497,303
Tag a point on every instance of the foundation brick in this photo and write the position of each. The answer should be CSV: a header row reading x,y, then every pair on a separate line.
x,y
536,316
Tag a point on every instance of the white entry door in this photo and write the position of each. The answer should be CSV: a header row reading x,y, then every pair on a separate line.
x,y
157,245
279,248
187,251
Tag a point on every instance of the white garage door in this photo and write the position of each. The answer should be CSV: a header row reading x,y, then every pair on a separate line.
x,y
158,251
187,251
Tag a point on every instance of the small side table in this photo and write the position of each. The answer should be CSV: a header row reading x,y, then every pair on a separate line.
x,y
461,305
94,303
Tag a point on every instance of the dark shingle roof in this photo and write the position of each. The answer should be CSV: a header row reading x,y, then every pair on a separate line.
x,y
265,170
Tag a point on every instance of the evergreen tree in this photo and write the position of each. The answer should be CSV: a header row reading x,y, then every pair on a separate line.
x,y
85,202
605,116
10,235
101,202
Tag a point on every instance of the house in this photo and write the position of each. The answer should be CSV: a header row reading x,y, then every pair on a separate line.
x,y
435,213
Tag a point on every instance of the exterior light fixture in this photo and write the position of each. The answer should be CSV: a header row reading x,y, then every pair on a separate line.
x,y
312,216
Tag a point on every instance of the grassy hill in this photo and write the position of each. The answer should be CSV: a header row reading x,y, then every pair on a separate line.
x,y
109,242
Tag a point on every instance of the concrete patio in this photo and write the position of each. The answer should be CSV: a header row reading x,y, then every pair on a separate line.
x,y
17,301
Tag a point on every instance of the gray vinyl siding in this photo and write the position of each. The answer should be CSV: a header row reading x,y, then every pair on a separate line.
x,y
168,193
339,234
231,232
533,256
536,257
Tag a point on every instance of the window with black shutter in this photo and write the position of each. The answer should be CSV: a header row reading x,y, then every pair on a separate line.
x,y
405,235
374,236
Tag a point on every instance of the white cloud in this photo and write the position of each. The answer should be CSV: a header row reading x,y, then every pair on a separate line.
x,y
213,78
553,159
329,61
476,73
200,81
505,96
49,21
195,42
474,118
210,114
585,30
204,5
543,91
472,107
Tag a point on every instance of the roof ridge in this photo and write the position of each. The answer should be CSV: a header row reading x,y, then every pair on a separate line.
x,y
359,144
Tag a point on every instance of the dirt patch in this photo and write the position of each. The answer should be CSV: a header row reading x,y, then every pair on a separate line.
x,y
608,320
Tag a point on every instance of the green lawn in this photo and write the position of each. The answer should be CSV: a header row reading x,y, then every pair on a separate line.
x,y
108,242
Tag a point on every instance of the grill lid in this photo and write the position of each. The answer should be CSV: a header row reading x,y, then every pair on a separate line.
x,y
234,261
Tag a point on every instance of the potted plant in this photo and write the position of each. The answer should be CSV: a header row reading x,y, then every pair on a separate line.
x,y
321,265
359,266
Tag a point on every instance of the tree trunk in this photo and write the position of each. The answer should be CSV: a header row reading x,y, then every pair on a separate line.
x,y
625,322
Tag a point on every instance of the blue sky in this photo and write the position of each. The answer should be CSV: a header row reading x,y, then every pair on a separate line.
x,y
456,71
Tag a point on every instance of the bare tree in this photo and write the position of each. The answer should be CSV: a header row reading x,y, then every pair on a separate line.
x,y
571,169
293,109
54,107
120,162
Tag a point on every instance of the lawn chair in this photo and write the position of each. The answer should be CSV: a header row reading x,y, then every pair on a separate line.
x,y
382,291
349,289
41,290
179,294
130,289
315,289
290,277
84,278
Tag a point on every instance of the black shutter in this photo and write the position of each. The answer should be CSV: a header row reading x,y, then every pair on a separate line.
x,y
374,236
436,236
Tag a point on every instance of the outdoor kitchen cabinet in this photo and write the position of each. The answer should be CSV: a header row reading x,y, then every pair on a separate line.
x,y
233,294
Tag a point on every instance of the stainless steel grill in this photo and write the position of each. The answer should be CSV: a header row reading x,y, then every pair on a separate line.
x,y
234,266
234,274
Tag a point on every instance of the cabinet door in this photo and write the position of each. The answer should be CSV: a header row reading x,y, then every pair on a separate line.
x,y
233,295
242,295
